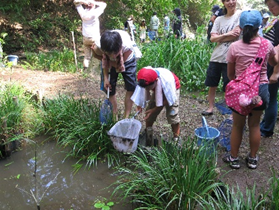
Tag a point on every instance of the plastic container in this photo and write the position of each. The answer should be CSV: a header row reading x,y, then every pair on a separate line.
x,y
207,137
125,135
13,59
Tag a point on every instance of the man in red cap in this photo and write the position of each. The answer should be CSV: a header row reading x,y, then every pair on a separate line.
x,y
165,87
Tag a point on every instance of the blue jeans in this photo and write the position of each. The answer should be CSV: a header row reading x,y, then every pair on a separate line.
x,y
270,117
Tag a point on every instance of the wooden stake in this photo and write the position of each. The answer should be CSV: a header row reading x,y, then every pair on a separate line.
x,y
75,53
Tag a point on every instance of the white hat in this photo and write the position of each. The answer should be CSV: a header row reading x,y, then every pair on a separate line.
x,y
265,15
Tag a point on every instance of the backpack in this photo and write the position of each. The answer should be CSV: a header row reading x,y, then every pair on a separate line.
x,y
245,88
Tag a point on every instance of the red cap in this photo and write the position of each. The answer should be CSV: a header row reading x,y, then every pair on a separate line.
x,y
149,75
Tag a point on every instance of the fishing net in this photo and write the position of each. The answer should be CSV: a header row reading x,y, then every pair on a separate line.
x,y
225,129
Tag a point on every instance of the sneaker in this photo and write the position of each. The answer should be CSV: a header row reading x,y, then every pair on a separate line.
x,y
252,162
234,162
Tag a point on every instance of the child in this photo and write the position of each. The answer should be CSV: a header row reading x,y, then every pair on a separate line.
x,y
142,31
165,86
240,55
118,58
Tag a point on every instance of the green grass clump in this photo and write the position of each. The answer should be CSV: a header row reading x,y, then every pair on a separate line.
x,y
75,123
168,178
188,59
52,61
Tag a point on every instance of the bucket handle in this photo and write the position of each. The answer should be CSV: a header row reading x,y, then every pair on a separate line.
x,y
204,124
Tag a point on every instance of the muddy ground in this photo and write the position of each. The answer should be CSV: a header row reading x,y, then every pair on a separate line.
x,y
50,84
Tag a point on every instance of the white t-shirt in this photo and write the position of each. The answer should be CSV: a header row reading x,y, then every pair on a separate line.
x,y
90,20
223,25
127,43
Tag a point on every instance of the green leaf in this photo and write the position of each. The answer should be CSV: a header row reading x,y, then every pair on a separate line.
x,y
99,205
18,176
110,203
106,208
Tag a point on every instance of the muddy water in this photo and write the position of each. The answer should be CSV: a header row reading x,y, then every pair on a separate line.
x,y
55,183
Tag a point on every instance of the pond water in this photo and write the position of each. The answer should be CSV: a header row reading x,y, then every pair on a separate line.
x,y
55,182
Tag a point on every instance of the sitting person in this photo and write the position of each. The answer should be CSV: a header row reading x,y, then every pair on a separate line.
x,y
165,86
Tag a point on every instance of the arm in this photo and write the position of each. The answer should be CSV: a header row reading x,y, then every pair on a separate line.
x,y
231,71
213,17
275,75
226,37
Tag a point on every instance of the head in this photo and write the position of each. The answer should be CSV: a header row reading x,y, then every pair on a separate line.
x,y
90,4
147,77
273,6
142,22
154,13
111,42
229,5
215,8
177,11
265,18
250,22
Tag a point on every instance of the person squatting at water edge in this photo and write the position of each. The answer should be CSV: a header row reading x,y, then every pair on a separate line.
x,y
165,87
240,55
225,31
118,57
90,11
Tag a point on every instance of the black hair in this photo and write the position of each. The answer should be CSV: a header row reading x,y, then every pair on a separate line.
x,y
177,11
111,42
225,11
154,13
276,1
142,83
248,33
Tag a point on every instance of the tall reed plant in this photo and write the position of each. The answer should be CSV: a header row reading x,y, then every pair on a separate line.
x,y
168,178
188,59
75,124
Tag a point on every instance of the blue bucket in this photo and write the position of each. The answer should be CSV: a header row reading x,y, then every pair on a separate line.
x,y
13,59
207,137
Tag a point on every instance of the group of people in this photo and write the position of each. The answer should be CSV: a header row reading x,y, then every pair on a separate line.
x,y
238,37
114,48
154,26
230,58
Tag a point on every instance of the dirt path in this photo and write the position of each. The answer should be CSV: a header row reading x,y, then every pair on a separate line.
x,y
53,83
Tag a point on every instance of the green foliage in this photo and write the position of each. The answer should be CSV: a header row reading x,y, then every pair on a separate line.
x,y
103,204
17,115
167,178
52,61
187,59
75,124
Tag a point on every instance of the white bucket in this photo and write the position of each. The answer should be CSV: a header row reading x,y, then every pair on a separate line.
x,y
13,59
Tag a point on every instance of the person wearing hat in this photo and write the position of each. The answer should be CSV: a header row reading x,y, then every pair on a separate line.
x,y
216,12
264,23
90,11
239,57
165,88
142,29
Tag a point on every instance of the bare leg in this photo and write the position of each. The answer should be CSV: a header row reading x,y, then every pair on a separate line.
x,y
211,98
254,132
128,104
236,135
176,129
113,101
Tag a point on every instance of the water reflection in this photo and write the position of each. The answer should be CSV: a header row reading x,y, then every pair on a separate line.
x,y
63,190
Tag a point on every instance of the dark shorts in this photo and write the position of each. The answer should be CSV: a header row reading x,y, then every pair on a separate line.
x,y
213,75
264,94
129,76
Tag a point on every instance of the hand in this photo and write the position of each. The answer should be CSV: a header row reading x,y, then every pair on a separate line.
x,y
107,84
274,78
148,113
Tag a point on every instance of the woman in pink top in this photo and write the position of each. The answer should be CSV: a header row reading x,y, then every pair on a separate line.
x,y
240,55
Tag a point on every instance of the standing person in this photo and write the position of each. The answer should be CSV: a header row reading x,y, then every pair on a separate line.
x,y
264,23
118,57
166,25
154,24
165,87
240,55
177,23
271,32
130,27
142,29
90,12
225,30
217,11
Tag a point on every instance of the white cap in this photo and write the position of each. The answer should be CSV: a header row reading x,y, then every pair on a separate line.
x,y
265,15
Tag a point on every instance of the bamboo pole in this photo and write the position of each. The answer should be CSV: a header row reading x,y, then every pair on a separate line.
x,y
75,53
